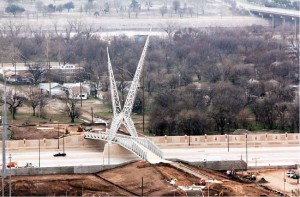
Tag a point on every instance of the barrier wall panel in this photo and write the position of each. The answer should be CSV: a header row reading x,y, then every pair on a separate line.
x,y
78,141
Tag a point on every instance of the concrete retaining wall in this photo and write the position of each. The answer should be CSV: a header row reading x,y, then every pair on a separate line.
x,y
218,165
222,165
204,141
74,141
253,140
63,170
273,167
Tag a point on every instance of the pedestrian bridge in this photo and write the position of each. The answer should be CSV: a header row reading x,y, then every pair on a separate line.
x,y
140,146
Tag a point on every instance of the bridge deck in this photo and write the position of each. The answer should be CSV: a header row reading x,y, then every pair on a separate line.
x,y
268,10
142,147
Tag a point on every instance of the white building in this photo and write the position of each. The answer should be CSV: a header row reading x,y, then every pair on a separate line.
x,y
78,90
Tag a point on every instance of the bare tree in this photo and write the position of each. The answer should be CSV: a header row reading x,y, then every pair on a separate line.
x,y
163,10
89,29
39,6
170,28
227,101
281,110
264,110
71,109
202,4
34,97
37,71
293,115
176,5
14,28
295,47
14,101
76,25
134,6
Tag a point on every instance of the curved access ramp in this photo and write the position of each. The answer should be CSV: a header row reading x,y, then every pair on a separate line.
x,y
142,147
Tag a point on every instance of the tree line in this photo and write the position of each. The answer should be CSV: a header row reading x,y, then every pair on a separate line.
x,y
196,81
117,7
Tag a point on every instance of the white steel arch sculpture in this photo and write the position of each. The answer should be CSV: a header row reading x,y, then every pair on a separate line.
x,y
122,116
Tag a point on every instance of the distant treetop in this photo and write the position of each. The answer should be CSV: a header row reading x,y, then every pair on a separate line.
x,y
14,9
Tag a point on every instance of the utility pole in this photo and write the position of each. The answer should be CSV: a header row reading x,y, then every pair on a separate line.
x,y
48,63
59,52
10,175
14,65
39,153
284,180
190,131
4,135
40,106
63,143
80,94
92,115
109,143
208,188
142,186
246,148
57,135
228,136
15,86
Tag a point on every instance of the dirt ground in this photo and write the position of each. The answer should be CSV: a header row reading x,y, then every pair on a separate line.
x,y
278,180
49,131
127,181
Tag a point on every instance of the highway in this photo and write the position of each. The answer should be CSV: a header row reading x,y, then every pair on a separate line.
x,y
74,158
263,156
268,10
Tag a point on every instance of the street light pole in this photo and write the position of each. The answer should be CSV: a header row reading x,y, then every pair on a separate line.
x,y
63,143
80,94
108,153
4,135
10,175
58,135
39,153
190,131
40,104
228,137
142,186
228,142
246,148
284,180
92,115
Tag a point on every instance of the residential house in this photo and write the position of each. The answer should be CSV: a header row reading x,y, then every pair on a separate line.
x,y
55,89
79,92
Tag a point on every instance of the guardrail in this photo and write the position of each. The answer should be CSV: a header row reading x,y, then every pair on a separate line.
x,y
149,145
146,143
130,145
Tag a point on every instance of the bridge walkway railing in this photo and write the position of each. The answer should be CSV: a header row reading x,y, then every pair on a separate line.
x,y
130,143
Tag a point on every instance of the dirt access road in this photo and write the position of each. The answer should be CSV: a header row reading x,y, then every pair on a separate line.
x,y
127,181
278,180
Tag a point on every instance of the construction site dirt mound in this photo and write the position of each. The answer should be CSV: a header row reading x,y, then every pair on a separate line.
x,y
263,180
134,179
31,132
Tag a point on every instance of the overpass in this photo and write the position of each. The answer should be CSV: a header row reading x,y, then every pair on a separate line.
x,y
141,147
278,13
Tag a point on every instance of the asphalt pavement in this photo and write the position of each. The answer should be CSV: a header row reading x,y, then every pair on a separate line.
x,y
262,156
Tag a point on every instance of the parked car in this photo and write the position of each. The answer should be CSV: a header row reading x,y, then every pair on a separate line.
x,y
290,174
295,176
60,155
